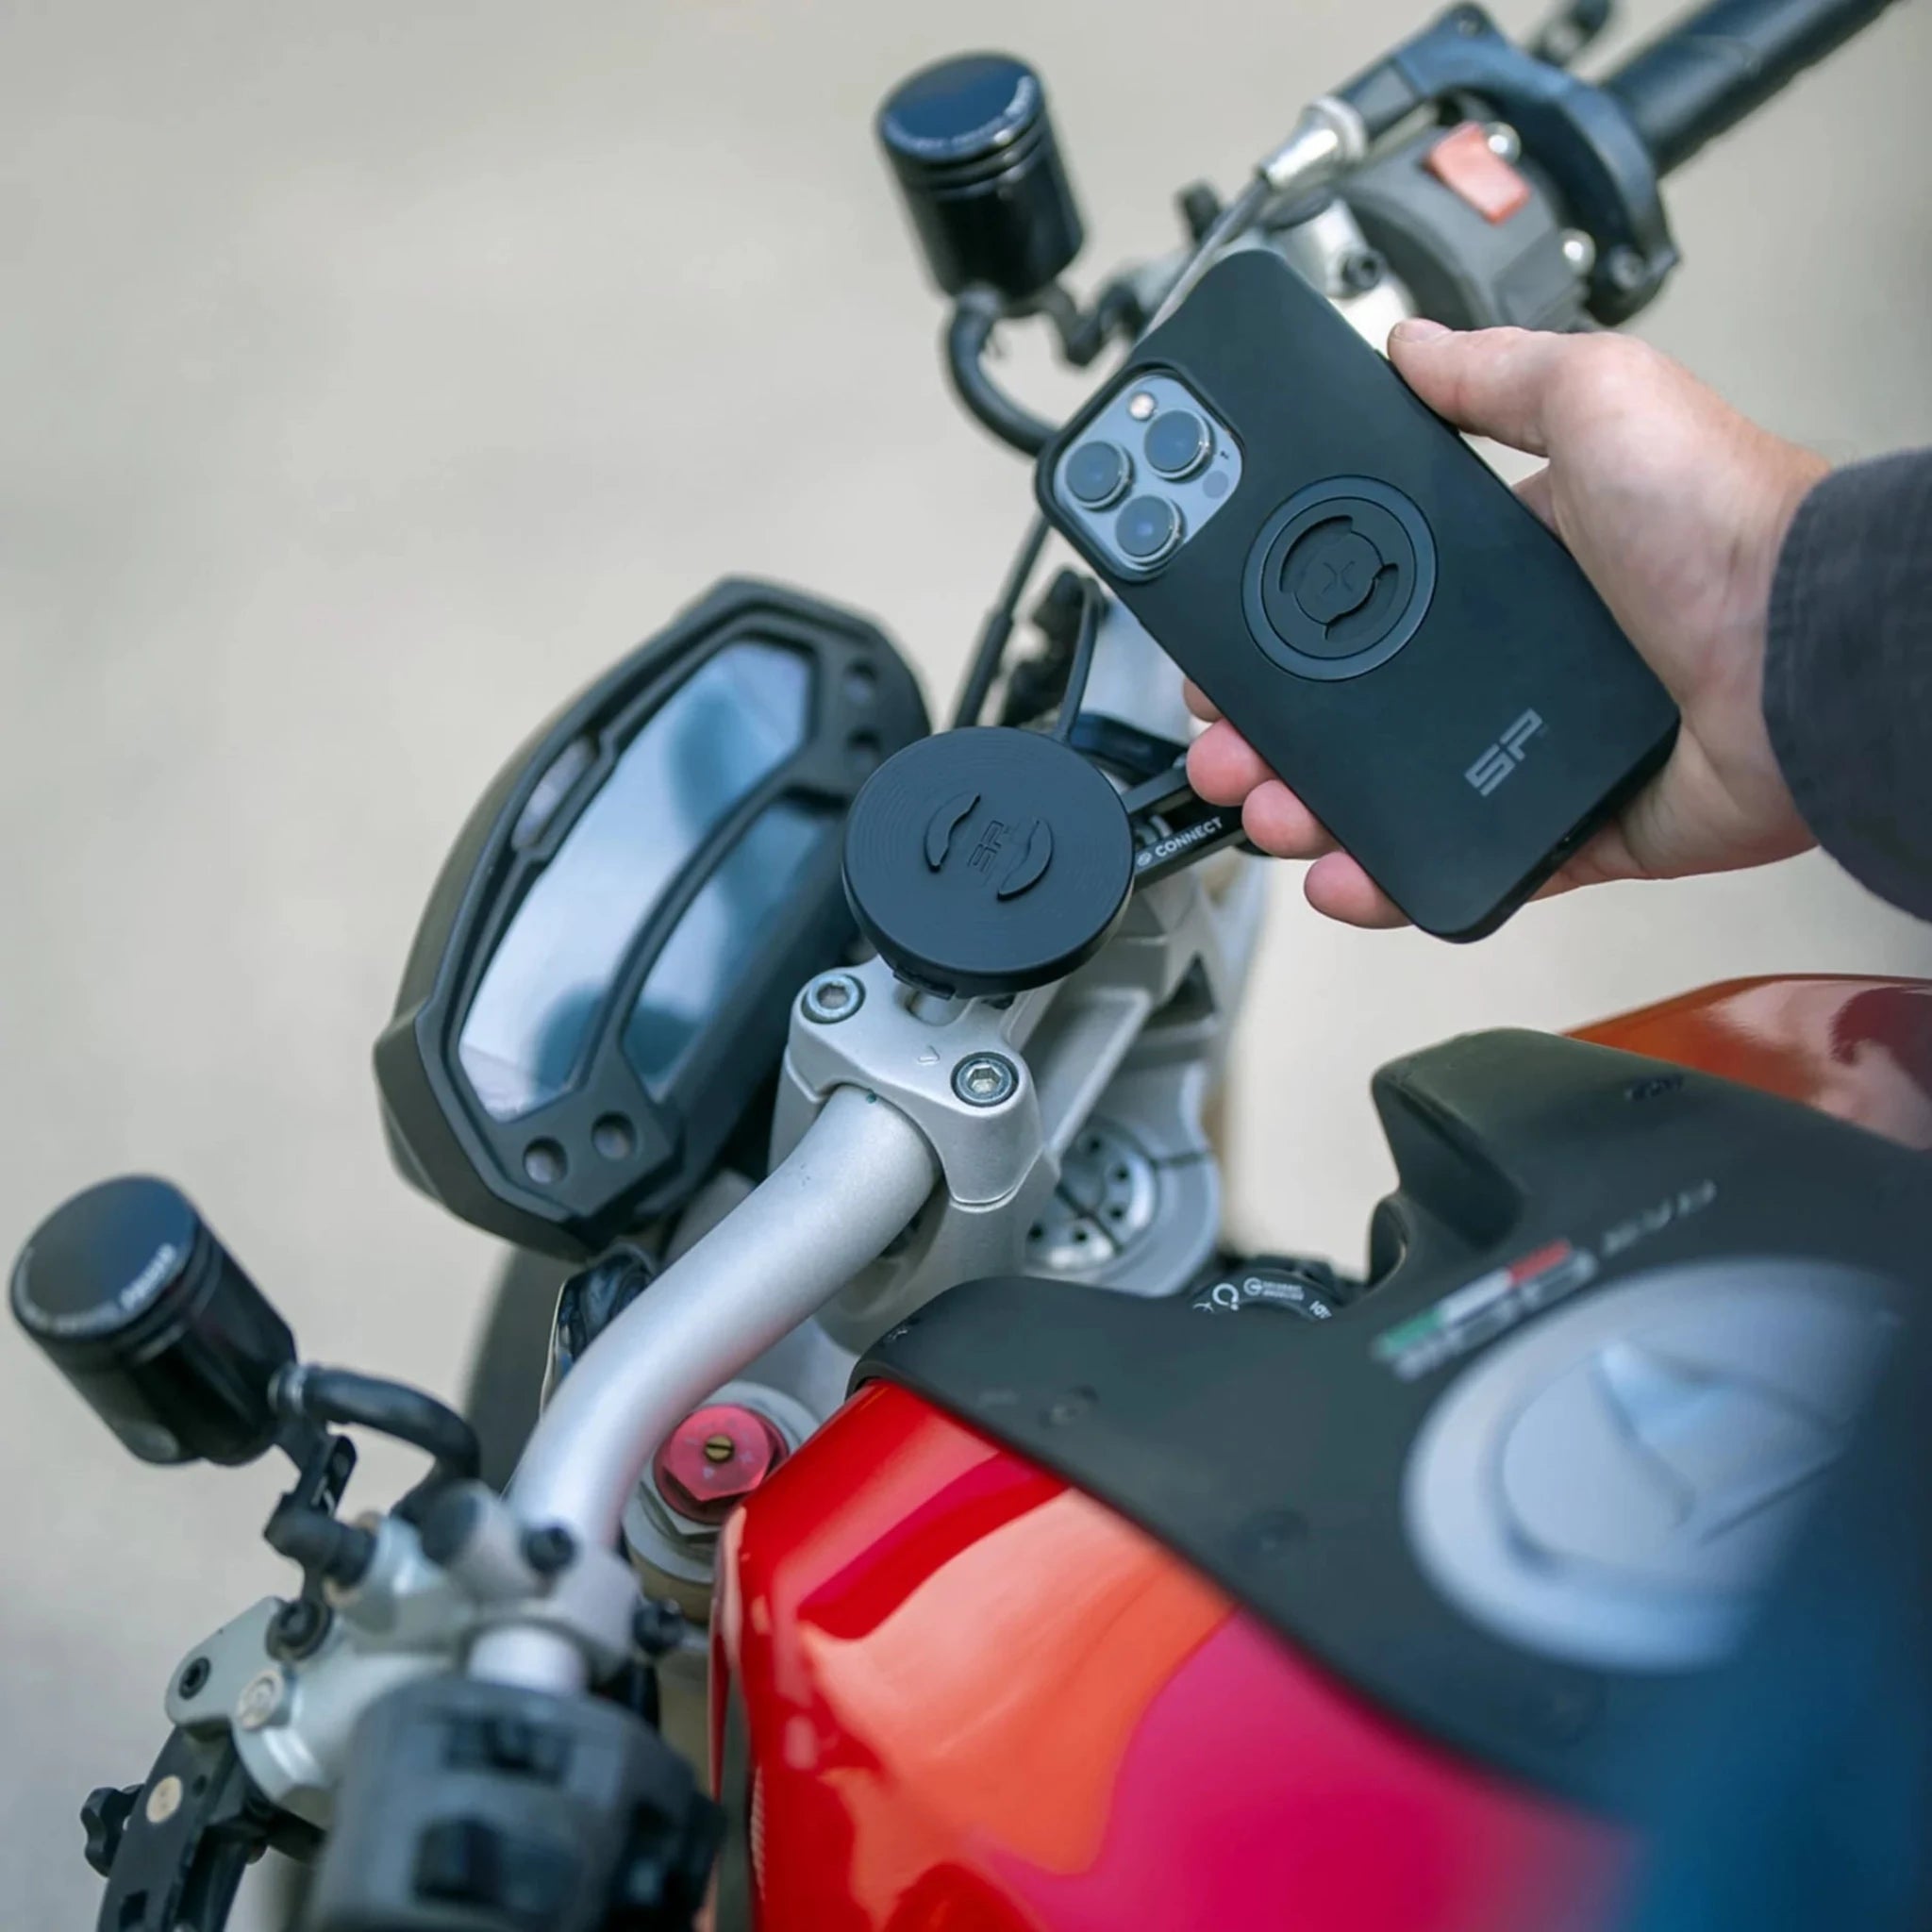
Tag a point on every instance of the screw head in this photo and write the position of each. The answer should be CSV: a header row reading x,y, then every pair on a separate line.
x,y
263,1700
194,1678
548,1548
715,1457
1580,251
1361,269
985,1079
1502,141
164,1800
297,1627
658,1625
833,997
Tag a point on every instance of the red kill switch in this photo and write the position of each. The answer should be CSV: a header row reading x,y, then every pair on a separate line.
x,y
1464,162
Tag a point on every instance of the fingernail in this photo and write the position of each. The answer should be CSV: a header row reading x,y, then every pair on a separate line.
x,y
1416,328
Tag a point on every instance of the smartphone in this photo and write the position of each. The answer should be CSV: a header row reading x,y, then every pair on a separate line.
x,y
1354,587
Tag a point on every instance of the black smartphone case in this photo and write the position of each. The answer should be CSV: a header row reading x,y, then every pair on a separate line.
x,y
1499,720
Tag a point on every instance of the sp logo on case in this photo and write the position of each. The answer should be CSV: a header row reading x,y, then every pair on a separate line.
x,y
1501,759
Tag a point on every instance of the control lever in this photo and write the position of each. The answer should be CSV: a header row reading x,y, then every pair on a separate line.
x,y
174,1850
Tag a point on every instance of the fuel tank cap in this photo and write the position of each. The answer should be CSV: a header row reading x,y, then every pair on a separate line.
x,y
986,860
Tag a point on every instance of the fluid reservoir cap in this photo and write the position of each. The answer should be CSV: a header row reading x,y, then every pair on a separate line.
x,y
99,1263
960,110
986,860
133,1299
970,144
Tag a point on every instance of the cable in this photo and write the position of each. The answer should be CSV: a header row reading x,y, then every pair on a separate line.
x,y
968,335
1238,216
998,627
391,1409
1092,602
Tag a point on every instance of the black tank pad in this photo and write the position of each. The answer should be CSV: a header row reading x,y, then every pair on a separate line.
x,y
1271,1450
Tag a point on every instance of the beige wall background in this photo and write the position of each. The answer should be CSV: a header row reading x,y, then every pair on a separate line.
x,y
371,375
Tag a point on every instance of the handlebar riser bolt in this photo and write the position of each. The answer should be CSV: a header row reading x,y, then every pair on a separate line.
x,y
716,1458
549,1548
835,997
264,1700
985,1079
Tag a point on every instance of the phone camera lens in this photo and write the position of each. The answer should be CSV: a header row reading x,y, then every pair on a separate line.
x,y
1098,473
1148,529
1178,443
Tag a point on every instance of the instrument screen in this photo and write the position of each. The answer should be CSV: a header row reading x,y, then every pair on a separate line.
x,y
732,722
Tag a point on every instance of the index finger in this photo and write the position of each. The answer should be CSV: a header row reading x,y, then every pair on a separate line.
x,y
1203,706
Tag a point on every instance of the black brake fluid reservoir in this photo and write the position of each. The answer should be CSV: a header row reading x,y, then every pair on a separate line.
x,y
973,150
133,1299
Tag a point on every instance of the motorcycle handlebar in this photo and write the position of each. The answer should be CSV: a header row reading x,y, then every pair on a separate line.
x,y
831,1207
1703,73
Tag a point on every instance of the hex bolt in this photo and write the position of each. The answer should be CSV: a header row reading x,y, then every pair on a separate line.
x,y
194,1678
658,1626
1361,269
263,1700
164,1800
716,1458
985,1079
297,1627
836,996
549,1548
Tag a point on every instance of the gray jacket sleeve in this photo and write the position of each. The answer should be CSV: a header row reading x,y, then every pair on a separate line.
x,y
1848,673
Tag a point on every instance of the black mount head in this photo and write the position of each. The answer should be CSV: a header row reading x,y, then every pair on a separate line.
x,y
988,861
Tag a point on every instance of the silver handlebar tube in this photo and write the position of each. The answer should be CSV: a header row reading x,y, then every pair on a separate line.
x,y
859,1175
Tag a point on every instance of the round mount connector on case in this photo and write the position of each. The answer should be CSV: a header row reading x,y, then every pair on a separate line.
x,y
1339,578
985,861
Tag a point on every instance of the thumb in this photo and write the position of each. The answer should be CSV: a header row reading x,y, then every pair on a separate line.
x,y
1496,382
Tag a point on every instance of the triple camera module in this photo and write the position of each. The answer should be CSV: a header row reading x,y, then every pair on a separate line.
x,y
1149,471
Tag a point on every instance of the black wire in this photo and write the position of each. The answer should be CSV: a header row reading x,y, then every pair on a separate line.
x,y
967,334
998,627
1092,605
391,1409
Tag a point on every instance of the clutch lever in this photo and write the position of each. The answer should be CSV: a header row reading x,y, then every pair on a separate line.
x,y
174,1850
1173,825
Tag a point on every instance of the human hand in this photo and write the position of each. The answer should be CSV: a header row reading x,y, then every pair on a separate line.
x,y
1675,507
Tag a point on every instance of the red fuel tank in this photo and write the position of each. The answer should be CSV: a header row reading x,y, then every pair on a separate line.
x,y
951,1692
